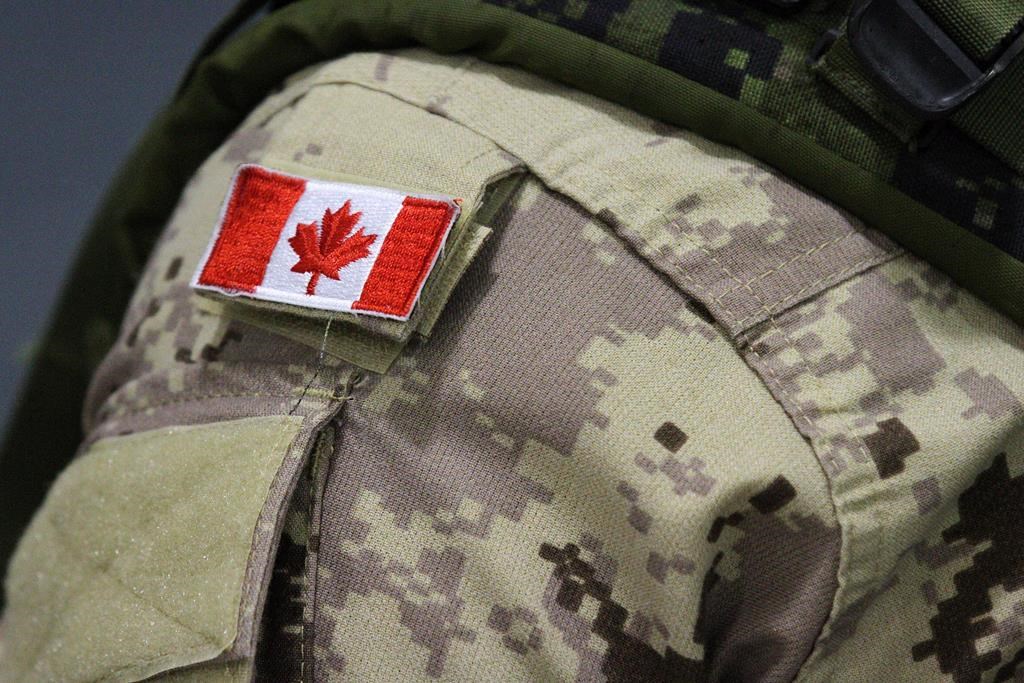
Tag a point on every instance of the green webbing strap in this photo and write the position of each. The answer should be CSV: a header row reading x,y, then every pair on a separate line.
x,y
841,68
982,29
979,27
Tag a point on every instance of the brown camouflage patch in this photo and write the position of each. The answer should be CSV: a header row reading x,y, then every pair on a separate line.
x,y
990,513
670,436
627,658
890,446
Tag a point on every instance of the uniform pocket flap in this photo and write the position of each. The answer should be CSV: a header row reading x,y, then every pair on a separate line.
x,y
137,562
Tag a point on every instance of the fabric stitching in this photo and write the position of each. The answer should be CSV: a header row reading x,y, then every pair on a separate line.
x,y
312,568
241,255
715,261
259,204
843,557
779,269
579,162
781,303
316,393
406,257
771,320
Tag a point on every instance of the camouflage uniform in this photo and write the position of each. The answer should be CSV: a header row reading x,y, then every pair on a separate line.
x,y
663,414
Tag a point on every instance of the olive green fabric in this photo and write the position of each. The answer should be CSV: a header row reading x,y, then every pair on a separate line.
x,y
992,119
982,29
843,70
829,145
135,563
978,27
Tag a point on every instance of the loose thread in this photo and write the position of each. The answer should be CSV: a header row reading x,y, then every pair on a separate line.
x,y
319,366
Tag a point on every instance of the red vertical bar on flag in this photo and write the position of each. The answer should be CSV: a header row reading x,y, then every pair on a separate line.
x,y
406,256
260,204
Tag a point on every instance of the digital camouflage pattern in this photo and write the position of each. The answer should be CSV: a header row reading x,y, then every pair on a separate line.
x,y
745,241
734,72
593,485
757,57
680,419
911,394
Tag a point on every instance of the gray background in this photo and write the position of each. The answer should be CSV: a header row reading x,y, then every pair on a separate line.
x,y
79,81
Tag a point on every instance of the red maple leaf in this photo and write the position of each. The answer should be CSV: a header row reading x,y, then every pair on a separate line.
x,y
336,247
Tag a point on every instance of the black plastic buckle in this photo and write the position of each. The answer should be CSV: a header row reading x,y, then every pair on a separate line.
x,y
914,58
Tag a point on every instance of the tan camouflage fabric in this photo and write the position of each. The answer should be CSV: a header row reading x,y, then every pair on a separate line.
x,y
671,418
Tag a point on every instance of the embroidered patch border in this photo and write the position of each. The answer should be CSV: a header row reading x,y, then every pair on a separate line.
x,y
324,245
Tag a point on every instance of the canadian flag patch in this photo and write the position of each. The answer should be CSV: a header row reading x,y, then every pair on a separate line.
x,y
324,245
